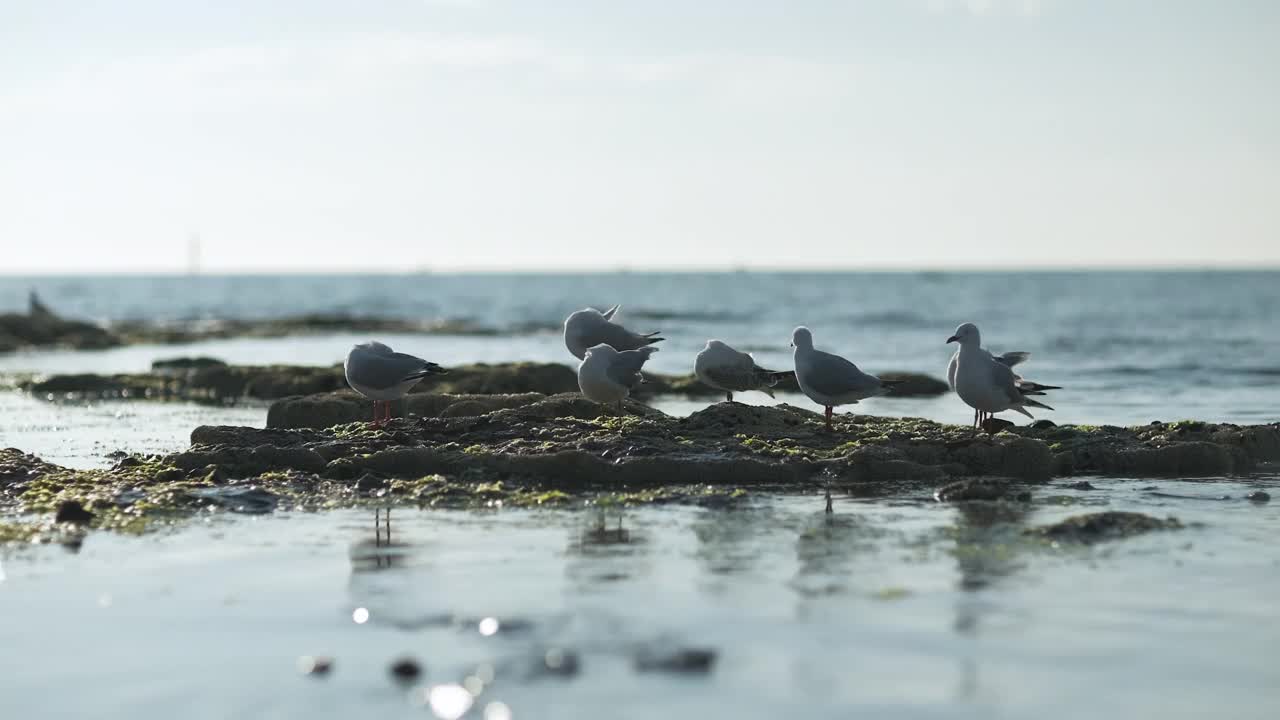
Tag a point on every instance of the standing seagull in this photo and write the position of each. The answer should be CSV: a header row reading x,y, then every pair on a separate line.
x,y
1010,358
724,368
382,375
587,328
987,383
607,375
830,380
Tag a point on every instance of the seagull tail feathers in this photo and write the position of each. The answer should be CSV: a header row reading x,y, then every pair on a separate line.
x,y
430,369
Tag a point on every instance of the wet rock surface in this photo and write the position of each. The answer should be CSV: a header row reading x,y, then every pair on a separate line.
x,y
981,489
1096,527
41,327
537,450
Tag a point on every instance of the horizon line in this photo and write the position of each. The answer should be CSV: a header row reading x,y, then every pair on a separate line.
x,y
648,270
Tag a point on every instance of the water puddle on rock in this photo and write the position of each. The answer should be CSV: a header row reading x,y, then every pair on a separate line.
x,y
889,607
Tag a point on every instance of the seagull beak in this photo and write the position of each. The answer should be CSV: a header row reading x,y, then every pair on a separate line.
x,y
952,339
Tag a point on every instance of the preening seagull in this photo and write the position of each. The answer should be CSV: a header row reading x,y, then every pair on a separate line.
x,y
724,368
606,375
382,375
589,327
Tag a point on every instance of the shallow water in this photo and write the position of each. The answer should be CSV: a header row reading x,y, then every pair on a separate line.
x,y
903,607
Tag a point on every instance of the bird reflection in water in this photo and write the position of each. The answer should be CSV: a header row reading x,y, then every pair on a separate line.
x,y
988,540
382,553
601,534
605,552
826,548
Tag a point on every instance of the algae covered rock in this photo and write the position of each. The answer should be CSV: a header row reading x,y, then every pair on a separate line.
x,y
1096,527
532,449
345,406
1185,448
17,467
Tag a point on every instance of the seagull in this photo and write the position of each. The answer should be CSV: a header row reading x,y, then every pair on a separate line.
x,y
607,375
987,383
382,375
590,327
830,380
724,368
1010,358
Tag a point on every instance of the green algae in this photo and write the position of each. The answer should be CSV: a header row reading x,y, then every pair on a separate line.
x,y
18,532
556,453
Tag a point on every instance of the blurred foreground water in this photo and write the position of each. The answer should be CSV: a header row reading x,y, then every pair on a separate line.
x,y
901,608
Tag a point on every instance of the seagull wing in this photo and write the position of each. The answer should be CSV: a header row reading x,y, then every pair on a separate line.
x,y
624,368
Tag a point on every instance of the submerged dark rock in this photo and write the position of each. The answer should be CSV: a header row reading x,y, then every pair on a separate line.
x,y
1259,496
678,660
406,669
71,511
248,500
185,364
315,665
1096,527
981,489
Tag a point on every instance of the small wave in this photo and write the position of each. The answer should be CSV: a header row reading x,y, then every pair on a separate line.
x,y
693,315
1189,368
893,318
1264,371
1143,370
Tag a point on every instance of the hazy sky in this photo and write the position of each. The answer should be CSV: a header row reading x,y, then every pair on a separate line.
x,y
411,134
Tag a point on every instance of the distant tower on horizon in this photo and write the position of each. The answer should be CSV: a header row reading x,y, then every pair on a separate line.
x,y
193,254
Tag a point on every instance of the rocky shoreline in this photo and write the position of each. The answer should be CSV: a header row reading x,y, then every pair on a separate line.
x,y
41,328
531,449
209,380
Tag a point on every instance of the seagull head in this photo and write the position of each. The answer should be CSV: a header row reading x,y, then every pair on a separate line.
x,y
966,334
603,349
801,337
